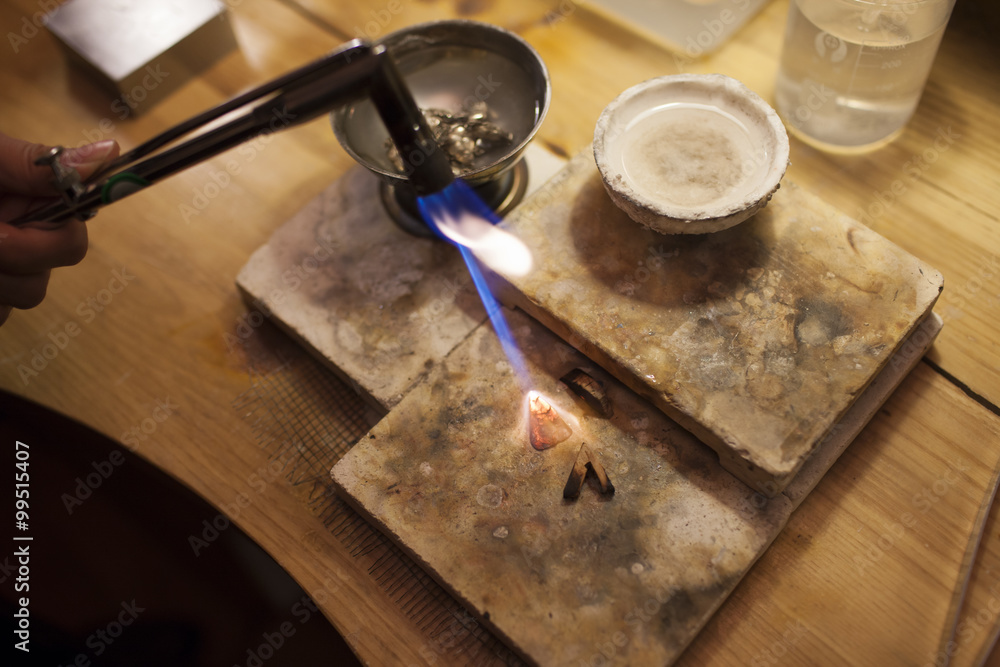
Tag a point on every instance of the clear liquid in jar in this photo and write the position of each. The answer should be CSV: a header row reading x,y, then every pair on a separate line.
x,y
852,77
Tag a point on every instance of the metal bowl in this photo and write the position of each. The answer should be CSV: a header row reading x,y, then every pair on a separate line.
x,y
448,64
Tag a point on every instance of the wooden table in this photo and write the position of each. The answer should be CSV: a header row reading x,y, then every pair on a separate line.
x,y
868,571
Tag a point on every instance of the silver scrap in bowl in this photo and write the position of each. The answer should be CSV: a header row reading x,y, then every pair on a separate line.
x,y
464,135
483,89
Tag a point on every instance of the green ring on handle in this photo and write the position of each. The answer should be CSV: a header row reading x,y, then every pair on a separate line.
x,y
128,180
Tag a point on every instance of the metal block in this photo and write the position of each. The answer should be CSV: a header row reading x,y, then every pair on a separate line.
x,y
140,52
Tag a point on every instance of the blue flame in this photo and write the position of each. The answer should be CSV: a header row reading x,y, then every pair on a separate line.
x,y
449,204
499,322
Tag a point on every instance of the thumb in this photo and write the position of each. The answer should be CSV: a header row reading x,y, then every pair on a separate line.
x,y
20,175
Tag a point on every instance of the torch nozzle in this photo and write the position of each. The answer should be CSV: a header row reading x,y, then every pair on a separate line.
x,y
424,162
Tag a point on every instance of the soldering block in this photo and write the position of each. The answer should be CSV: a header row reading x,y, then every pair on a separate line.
x,y
140,52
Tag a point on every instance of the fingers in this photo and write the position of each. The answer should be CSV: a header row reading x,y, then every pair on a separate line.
x,y
14,206
33,249
23,291
19,173
27,253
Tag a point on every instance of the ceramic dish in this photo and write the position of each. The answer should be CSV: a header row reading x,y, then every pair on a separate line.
x,y
690,153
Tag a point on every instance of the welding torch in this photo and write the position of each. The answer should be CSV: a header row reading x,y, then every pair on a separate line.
x,y
354,70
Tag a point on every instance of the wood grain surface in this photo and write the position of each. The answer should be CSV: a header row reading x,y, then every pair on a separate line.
x,y
851,576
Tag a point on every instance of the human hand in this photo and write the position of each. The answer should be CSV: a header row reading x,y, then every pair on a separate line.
x,y
28,253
